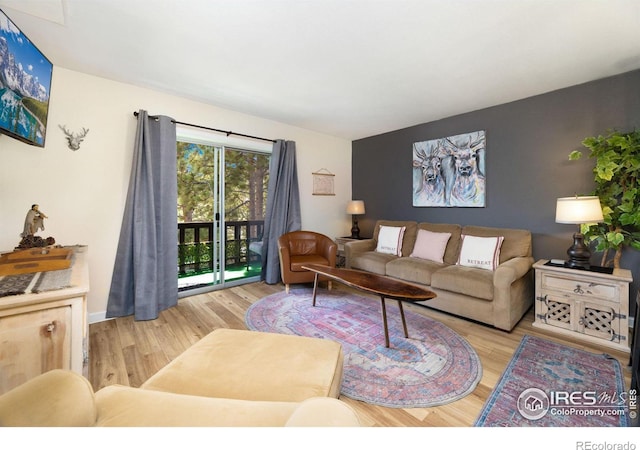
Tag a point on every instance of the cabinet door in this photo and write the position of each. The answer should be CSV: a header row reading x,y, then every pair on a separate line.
x,y
600,320
32,343
557,311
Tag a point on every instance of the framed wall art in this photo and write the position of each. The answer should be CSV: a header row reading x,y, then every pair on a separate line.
x,y
323,182
450,171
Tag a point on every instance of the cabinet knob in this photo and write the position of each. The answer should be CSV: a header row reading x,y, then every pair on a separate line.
x,y
50,327
578,289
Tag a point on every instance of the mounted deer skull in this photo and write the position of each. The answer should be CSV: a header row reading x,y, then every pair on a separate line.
x,y
73,139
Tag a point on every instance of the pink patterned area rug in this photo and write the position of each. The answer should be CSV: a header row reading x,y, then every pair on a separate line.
x,y
547,384
434,366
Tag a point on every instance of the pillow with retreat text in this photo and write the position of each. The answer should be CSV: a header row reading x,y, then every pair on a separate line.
x,y
430,245
390,240
481,252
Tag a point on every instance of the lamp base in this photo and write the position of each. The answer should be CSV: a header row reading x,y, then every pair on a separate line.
x,y
355,231
579,254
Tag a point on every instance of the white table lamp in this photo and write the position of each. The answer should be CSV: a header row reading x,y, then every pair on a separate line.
x,y
355,207
578,210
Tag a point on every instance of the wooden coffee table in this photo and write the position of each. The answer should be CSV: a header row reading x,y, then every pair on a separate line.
x,y
384,287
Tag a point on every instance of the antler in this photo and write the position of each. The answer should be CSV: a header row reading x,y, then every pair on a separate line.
x,y
478,143
420,152
64,129
82,134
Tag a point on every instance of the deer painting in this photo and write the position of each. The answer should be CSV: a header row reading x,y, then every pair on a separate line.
x,y
469,185
450,171
434,174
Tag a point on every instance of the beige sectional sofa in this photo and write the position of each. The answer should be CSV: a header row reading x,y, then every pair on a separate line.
x,y
228,378
498,297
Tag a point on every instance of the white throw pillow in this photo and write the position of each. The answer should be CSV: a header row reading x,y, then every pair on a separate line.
x,y
390,240
481,252
430,245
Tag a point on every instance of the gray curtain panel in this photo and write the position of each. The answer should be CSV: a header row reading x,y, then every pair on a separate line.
x,y
145,275
283,206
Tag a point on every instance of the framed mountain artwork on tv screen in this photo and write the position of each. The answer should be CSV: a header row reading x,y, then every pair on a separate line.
x,y
25,83
450,171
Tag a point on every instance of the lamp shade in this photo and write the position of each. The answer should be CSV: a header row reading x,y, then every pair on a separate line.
x,y
355,207
579,210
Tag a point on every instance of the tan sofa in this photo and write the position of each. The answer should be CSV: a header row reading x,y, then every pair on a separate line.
x,y
228,378
498,298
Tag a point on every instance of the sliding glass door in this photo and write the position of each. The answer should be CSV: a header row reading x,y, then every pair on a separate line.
x,y
198,215
221,204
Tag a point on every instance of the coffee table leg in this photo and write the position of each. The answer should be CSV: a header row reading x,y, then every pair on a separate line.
x,y
404,322
384,321
315,288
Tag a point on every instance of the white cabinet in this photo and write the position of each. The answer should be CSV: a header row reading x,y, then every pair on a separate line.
x,y
340,241
584,304
44,331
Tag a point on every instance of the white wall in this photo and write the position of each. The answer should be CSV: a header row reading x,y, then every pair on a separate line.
x,y
83,192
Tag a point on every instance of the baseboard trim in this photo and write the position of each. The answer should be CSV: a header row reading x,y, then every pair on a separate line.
x,y
98,317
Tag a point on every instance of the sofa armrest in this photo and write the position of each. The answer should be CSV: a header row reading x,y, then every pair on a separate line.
x,y
124,406
512,291
284,255
512,270
329,249
323,412
58,398
353,248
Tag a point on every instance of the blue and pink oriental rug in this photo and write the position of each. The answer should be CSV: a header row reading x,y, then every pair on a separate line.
x,y
434,366
547,384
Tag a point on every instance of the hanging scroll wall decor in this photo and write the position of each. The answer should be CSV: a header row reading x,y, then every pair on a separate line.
x,y
450,172
323,182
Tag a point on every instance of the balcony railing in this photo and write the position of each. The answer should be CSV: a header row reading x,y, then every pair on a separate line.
x,y
195,245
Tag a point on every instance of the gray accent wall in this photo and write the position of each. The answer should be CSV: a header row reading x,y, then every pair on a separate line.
x,y
527,167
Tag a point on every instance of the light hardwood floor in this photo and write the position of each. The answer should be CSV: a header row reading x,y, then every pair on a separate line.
x,y
123,351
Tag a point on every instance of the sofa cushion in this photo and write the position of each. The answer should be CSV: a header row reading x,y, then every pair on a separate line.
x,y
453,245
516,242
274,367
430,245
415,270
390,240
409,237
464,280
371,262
298,261
480,252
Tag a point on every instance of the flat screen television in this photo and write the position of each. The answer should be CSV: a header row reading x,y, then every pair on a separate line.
x,y
25,83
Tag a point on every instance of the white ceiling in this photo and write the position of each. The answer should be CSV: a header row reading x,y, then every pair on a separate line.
x,y
349,68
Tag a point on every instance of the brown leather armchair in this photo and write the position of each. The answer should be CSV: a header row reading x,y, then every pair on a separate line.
x,y
298,248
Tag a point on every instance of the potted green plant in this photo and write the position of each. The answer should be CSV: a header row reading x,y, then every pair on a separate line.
x,y
617,173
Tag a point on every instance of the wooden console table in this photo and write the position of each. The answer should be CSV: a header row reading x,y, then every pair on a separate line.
x,y
587,305
47,330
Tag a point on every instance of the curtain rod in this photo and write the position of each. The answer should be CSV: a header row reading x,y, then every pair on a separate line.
x,y
228,133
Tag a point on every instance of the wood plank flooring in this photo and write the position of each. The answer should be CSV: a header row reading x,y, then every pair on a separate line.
x,y
123,351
